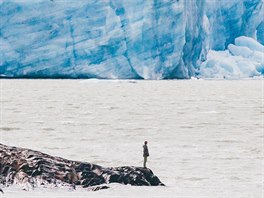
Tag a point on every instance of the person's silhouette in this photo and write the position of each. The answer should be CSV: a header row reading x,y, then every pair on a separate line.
x,y
145,153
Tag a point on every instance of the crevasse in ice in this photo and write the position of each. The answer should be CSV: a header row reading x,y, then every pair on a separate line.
x,y
139,39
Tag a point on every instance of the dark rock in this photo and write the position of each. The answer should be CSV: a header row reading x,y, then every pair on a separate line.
x,y
24,166
99,188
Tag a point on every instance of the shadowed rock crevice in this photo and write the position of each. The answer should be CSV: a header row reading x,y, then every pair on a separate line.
x,y
32,169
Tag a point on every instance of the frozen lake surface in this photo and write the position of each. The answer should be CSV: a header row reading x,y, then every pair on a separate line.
x,y
205,136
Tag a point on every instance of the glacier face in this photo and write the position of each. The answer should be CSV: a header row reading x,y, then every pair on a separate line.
x,y
139,39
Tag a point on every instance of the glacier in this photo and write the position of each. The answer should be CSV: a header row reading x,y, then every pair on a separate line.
x,y
131,39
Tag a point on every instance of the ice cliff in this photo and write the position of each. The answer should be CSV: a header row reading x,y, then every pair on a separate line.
x,y
139,39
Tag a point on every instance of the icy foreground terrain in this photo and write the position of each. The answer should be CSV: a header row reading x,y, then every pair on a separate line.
x,y
207,143
153,39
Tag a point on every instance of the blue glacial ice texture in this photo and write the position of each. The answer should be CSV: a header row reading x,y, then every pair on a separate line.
x,y
153,39
231,19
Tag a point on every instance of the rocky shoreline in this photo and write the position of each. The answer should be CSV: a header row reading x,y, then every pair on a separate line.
x,y
32,169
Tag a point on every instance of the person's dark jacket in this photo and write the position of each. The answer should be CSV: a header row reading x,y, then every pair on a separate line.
x,y
145,151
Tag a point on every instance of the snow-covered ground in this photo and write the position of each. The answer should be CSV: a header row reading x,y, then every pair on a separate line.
x,y
205,136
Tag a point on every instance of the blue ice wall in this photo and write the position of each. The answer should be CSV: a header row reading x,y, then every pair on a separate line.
x,y
229,19
138,39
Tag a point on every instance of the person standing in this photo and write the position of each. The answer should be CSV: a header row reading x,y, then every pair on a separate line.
x,y
145,153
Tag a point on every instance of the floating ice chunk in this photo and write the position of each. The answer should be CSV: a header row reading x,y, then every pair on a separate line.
x,y
221,64
246,52
250,43
240,51
245,59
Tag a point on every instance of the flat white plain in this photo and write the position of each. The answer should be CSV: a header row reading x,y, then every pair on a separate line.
x,y
205,136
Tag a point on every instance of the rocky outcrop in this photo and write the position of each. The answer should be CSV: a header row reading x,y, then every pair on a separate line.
x,y
32,169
